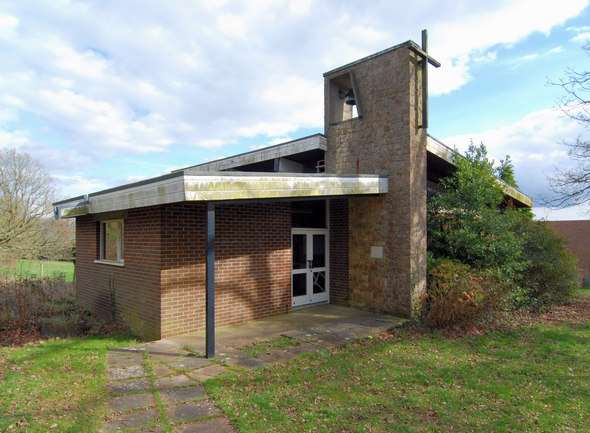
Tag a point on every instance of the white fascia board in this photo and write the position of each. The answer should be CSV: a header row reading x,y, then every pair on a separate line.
x,y
149,194
71,209
222,188
236,187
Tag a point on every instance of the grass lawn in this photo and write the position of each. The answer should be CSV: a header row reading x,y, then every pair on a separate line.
x,y
55,385
530,379
39,268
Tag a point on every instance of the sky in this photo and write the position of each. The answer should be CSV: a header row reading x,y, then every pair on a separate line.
x,y
109,92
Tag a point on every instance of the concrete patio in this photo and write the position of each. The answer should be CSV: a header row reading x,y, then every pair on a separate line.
x,y
328,324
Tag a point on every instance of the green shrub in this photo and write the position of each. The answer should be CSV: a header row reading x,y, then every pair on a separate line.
x,y
457,294
550,275
468,222
500,247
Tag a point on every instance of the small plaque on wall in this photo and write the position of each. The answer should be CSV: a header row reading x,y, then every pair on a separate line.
x,y
376,252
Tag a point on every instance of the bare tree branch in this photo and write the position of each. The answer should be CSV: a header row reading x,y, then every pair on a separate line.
x,y
572,186
26,191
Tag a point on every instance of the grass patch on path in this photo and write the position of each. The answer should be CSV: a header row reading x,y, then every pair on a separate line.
x,y
54,385
260,348
530,379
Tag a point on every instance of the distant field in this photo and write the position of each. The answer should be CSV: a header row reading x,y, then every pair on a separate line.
x,y
40,268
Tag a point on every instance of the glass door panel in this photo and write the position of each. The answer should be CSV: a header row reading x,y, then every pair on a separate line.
x,y
319,282
309,281
299,251
319,251
299,285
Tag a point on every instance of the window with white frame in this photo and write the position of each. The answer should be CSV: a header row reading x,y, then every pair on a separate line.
x,y
111,241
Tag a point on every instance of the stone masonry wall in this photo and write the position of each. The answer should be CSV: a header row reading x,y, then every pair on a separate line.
x,y
387,140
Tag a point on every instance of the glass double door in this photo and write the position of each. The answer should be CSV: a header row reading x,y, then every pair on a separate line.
x,y
309,279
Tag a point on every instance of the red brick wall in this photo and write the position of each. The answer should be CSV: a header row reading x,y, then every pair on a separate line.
x,y
130,293
253,275
339,251
253,264
183,267
577,237
161,290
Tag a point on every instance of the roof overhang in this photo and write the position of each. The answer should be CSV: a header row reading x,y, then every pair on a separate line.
x,y
448,155
220,187
281,150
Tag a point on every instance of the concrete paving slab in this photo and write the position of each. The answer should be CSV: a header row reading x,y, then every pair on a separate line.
x,y
191,411
128,403
119,373
163,347
161,370
124,359
244,362
306,347
215,425
276,356
165,358
134,420
189,363
173,382
293,333
128,386
182,395
205,373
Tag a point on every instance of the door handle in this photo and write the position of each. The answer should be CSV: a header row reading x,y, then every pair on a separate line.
x,y
309,264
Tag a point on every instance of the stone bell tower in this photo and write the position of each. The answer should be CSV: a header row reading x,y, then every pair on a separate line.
x,y
375,123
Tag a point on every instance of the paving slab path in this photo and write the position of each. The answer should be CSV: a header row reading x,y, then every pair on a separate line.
x,y
161,392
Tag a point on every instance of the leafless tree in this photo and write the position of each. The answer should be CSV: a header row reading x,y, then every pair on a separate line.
x,y
572,185
58,239
26,191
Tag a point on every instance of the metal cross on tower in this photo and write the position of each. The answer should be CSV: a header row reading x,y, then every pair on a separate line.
x,y
426,59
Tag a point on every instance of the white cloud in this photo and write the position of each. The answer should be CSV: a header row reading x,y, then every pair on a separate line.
x,y
231,25
578,29
14,139
581,37
470,33
276,140
535,56
8,22
554,50
208,74
580,212
581,34
535,143
487,57
77,184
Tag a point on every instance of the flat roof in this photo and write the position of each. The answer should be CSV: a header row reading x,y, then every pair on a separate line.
x,y
448,154
288,148
220,187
